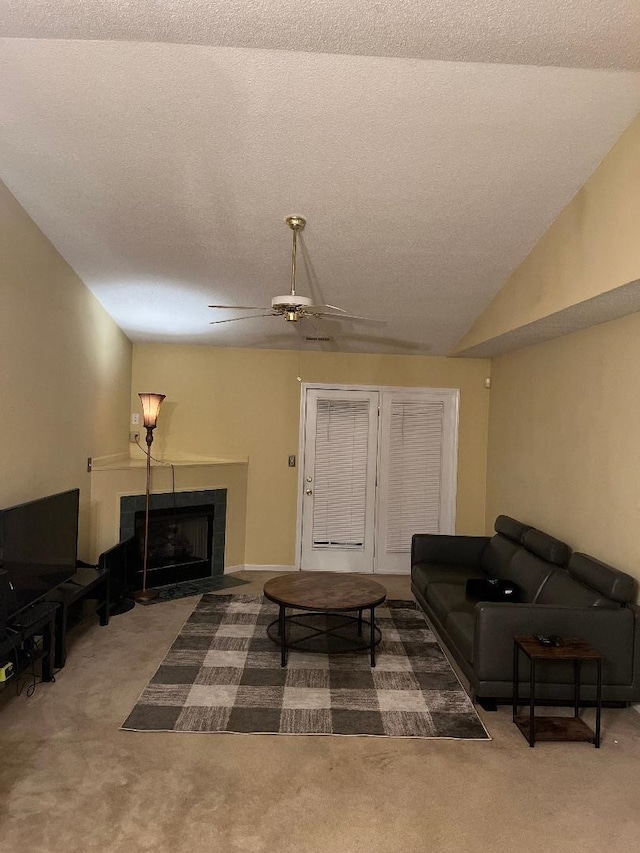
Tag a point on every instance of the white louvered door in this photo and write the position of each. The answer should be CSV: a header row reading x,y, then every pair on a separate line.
x,y
378,466
416,477
339,476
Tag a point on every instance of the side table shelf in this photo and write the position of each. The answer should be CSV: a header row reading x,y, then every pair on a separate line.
x,y
556,728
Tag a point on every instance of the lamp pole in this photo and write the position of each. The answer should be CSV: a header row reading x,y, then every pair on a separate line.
x,y
150,408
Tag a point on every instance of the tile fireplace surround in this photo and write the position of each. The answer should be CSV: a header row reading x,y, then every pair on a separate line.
x,y
217,498
118,490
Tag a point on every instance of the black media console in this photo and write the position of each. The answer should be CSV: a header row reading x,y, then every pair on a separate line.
x,y
89,582
51,618
18,645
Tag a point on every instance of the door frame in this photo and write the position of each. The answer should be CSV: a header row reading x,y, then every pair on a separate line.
x,y
452,394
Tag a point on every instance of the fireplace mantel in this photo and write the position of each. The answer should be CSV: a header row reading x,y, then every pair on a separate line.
x,y
119,476
119,462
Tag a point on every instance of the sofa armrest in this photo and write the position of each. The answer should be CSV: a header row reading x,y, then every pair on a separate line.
x,y
610,630
447,550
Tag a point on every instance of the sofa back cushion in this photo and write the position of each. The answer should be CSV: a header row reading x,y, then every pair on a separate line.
x,y
546,547
497,555
511,528
500,549
562,589
529,573
604,579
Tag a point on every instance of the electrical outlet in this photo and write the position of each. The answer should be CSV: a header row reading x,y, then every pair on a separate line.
x,y
292,461
134,437
135,418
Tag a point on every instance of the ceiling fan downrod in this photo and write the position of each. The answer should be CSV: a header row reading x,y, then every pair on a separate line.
x,y
296,223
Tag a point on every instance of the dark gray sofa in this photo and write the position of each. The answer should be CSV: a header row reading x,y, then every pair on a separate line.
x,y
571,595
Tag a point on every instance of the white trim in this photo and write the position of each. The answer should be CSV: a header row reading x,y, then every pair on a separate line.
x,y
300,503
391,571
111,460
636,708
254,567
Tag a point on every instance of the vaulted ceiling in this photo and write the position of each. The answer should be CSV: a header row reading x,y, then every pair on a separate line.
x,y
160,147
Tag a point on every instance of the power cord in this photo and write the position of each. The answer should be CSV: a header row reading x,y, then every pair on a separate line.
x,y
32,647
162,462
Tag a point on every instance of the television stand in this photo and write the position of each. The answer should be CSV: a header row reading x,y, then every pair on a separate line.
x,y
87,583
14,647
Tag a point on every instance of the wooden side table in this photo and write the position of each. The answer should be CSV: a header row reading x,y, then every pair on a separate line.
x,y
573,728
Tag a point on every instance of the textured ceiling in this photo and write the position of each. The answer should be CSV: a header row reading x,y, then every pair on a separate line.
x,y
584,33
160,146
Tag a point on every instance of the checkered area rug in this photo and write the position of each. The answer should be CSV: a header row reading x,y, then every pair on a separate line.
x,y
223,674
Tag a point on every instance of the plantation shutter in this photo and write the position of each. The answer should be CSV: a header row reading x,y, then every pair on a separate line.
x,y
414,473
340,487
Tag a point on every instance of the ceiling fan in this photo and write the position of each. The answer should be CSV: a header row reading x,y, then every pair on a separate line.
x,y
292,306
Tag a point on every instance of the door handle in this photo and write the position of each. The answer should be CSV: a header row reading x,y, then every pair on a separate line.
x,y
308,491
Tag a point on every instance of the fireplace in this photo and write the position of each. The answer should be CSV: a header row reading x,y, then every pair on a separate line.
x,y
186,535
180,544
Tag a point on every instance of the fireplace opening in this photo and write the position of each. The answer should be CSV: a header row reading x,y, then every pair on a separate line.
x,y
180,543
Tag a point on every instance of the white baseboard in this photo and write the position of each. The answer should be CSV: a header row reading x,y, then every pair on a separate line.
x,y
257,567
383,571
636,708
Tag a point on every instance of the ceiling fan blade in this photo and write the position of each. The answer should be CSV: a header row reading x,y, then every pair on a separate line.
x,y
325,315
248,317
306,326
240,307
316,308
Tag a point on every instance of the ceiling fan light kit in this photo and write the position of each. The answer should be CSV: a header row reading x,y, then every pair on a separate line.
x,y
290,305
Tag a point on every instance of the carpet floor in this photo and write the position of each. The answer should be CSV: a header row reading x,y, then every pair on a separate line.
x,y
223,674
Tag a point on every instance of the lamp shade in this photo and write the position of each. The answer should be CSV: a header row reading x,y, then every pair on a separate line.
x,y
150,408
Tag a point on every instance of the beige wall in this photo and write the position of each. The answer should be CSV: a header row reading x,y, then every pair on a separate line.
x,y
65,370
591,248
108,485
563,430
236,403
564,440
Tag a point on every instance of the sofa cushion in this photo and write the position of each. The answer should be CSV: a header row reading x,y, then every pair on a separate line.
x,y
546,547
511,528
460,627
611,582
529,573
561,588
445,598
497,555
423,574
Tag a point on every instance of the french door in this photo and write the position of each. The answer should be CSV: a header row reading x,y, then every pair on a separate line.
x,y
378,464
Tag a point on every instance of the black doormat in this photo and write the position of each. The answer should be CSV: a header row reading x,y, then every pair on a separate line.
x,y
195,587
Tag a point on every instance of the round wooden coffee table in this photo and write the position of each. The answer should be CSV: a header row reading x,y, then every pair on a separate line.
x,y
325,626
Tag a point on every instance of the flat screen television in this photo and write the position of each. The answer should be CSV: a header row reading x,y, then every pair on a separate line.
x,y
40,546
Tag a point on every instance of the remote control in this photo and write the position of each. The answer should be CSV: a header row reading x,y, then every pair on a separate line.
x,y
544,641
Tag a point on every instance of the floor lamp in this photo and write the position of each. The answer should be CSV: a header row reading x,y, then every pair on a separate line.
x,y
150,408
